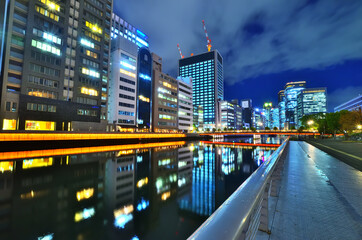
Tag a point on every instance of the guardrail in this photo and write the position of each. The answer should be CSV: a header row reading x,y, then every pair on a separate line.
x,y
246,210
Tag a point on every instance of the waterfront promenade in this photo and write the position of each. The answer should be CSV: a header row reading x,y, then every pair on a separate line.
x,y
320,198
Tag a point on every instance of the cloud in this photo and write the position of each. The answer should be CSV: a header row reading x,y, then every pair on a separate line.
x,y
342,95
254,37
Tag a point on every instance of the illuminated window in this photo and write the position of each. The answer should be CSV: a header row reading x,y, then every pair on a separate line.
x,y
91,73
9,124
39,125
128,73
91,54
47,13
87,43
89,91
93,27
84,214
85,194
93,36
51,5
37,162
128,66
45,47
6,166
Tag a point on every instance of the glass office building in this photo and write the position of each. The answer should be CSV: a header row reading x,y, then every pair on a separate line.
x,y
281,107
291,92
354,104
144,89
311,101
206,70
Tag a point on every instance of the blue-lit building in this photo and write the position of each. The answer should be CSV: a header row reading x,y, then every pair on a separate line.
x,y
281,107
354,104
311,101
144,89
247,113
206,70
291,92
275,118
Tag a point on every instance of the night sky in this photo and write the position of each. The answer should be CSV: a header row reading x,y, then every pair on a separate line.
x,y
264,43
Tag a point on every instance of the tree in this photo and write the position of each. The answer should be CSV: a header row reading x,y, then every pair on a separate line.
x,y
349,121
300,129
275,128
214,130
292,128
253,129
225,128
207,129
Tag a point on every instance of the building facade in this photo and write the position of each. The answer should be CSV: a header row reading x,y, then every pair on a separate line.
x,y
185,107
247,113
291,92
351,105
122,101
206,70
55,77
281,107
311,101
275,118
165,107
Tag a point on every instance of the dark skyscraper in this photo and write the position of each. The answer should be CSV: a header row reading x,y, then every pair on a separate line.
x,y
55,65
144,88
206,70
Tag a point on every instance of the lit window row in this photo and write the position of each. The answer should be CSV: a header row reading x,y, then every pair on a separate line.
x,y
128,73
91,73
89,91
168,117
47,13
51,5
128,66
86,43
145,99
91,54
93,27
47,36
45,47
167,98
162,90
169,85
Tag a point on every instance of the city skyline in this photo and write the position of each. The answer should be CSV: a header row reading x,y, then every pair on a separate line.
x,y
264,46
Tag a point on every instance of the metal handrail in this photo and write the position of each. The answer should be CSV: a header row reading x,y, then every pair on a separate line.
x,y
239,216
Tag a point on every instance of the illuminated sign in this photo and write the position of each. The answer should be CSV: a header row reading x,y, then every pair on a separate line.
x,y
141,41
122,216
142,205
37,162
145,77
46,237
127,65
6,166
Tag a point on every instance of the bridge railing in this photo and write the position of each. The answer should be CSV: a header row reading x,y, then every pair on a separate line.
x,y
246,210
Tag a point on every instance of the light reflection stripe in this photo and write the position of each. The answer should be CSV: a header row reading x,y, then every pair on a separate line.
x,y
83,150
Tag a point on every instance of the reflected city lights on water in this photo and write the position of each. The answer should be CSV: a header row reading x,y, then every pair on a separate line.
x,y
133,192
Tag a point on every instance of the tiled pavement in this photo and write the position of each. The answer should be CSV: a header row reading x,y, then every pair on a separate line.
x,y
320,198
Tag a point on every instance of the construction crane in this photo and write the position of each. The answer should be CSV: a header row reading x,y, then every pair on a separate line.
x,y
207,37
179,49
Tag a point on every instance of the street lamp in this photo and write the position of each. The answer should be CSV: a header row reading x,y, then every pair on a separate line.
x,y
310,122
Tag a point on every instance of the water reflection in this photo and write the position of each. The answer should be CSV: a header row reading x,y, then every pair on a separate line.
x,y
163,192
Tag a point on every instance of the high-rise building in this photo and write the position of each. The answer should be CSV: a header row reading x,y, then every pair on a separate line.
x,y
55,77
198,119
258,118
275,118
122,101
351,105
247,113
144,89
124,95
267,107
291,92
311,101
231,115
185,108
281,106
206,70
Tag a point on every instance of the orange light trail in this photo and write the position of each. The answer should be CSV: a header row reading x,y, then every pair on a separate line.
x,y
4,137
83,150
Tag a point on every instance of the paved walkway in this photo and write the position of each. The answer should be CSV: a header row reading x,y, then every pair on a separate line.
x,y
320,198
